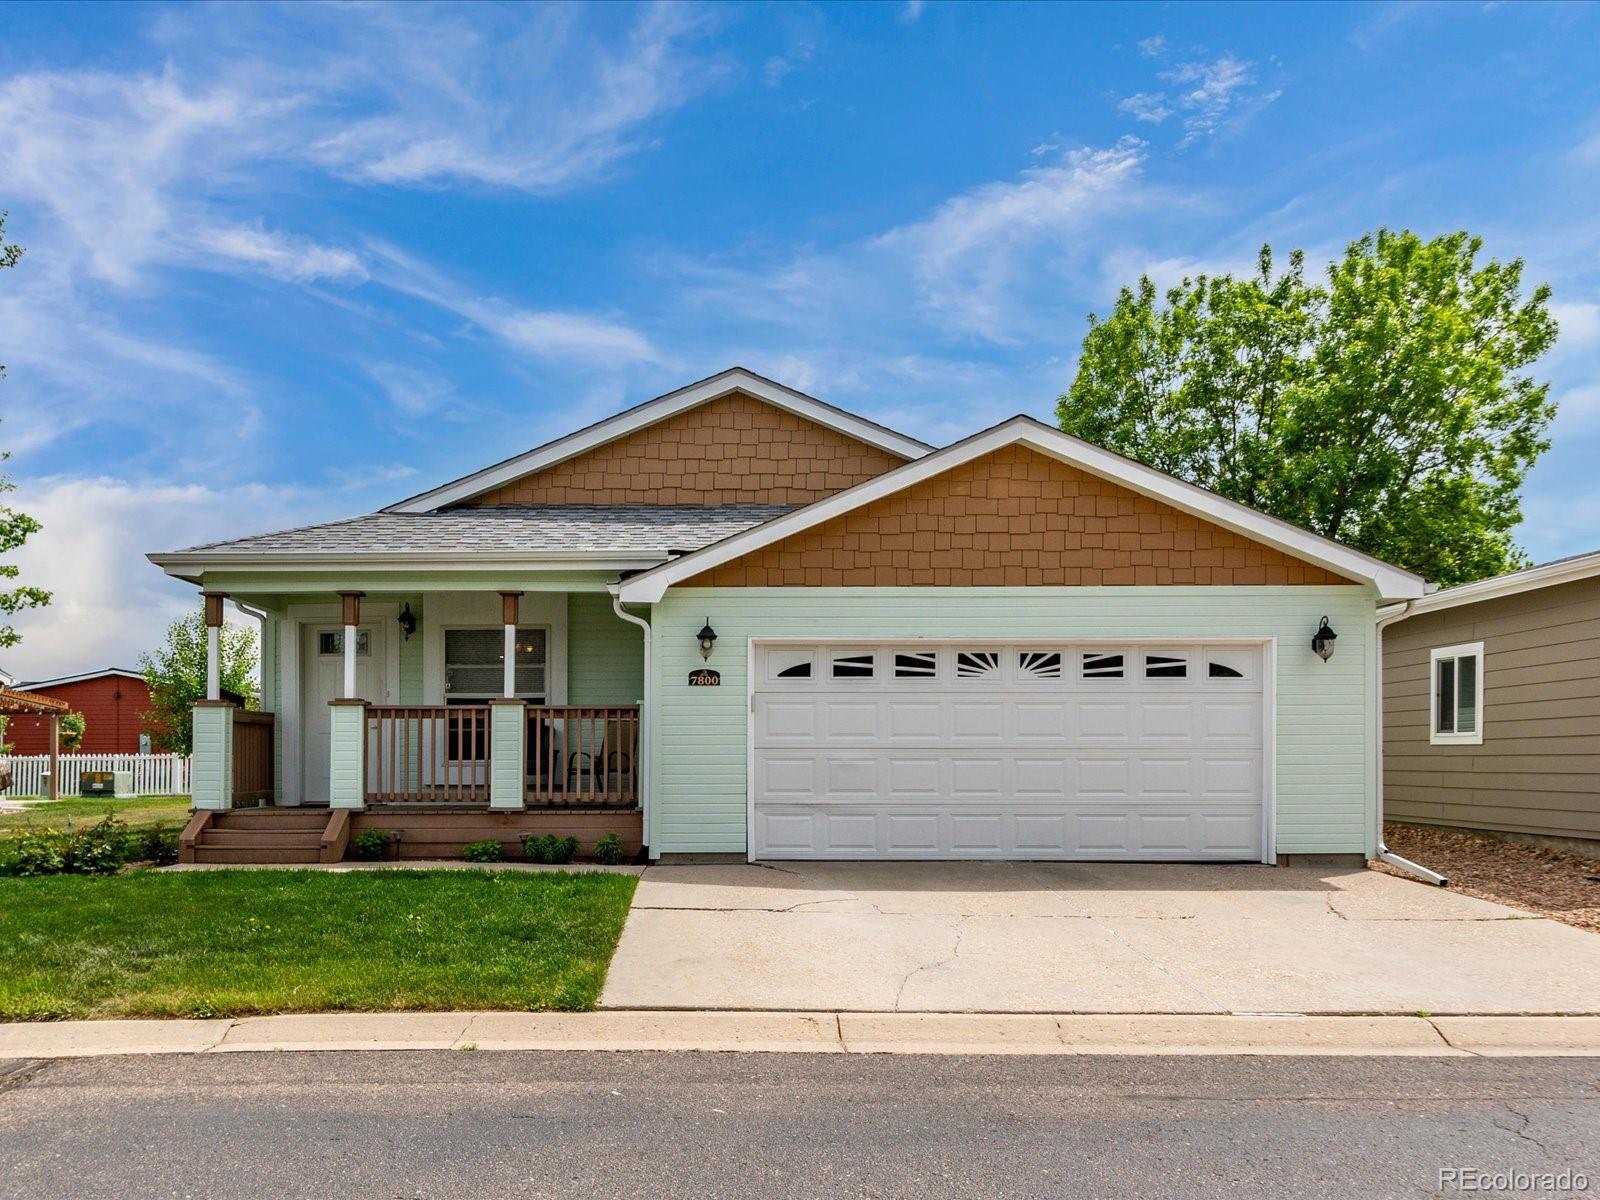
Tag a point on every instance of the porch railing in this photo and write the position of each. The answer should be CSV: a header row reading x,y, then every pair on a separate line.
x,y
252,755
432,754
585,756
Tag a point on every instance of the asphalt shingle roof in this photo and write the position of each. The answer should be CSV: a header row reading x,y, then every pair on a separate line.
x,y
513,529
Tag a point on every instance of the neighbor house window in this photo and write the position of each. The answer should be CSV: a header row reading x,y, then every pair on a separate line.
x,y
1456,705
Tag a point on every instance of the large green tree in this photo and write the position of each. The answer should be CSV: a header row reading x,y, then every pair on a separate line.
x,y
1389,407
14,526
176,673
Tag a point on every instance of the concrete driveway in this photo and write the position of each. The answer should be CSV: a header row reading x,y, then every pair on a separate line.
x,y
1075,937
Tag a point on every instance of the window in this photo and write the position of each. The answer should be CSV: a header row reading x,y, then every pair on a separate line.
x,y
975,664
331,641
474,664
1456,701
1166,666
1039,664
1101,666
852,666
799,670
789,664
916,664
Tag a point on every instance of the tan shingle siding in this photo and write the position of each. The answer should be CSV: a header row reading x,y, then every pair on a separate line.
x,y
732,450
1014,518
1538,769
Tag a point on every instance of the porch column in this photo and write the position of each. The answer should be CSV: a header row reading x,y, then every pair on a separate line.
x,y
211,761
214,643
508,744
347,749
352,619
509,604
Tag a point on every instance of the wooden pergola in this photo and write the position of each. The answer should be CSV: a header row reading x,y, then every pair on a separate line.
x,y
14,703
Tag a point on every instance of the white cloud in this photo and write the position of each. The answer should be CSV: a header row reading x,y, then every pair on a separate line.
x,y
966,256
1153,47
1204,94
1147,106
569,336
411,391
1580,325
910,12
109,603
282,256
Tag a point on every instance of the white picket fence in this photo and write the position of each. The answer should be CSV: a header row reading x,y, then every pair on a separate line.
x,y
153,774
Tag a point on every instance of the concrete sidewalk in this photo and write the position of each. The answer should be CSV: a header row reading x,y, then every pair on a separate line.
x,y
820,1033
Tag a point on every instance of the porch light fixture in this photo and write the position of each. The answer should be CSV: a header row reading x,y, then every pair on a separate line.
x,y
1323,641
708,639
408,621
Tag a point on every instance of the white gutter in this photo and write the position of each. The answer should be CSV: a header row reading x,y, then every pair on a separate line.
x,y
646,737
1387,616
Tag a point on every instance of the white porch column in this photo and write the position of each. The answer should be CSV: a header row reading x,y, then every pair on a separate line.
x,y
508,615
211,761
352,622
214,644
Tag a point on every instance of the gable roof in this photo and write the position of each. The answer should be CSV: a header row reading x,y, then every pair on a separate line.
x,y
1391,582
620,536
34,685
1551,574
734,379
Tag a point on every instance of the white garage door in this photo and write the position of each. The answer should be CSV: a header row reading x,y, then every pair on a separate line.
x,y
1030,751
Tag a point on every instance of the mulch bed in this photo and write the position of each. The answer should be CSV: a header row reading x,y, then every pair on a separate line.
x,y
1552,883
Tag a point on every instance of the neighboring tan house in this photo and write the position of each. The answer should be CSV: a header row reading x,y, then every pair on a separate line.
x,y
113,703
1492,705
737,620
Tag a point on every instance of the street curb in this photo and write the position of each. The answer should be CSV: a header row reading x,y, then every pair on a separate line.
x,y
821,1033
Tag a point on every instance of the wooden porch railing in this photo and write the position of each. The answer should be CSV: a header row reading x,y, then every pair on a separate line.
x,y
427,754
582,756
252,755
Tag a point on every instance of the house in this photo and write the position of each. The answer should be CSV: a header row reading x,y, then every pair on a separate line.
x,y
113,703
1492,706
736,620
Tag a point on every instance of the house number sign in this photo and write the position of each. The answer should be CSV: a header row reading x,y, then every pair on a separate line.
x,y
705,677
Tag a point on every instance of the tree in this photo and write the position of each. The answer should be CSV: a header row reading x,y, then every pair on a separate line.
x,y
1389,409
176,674
14,526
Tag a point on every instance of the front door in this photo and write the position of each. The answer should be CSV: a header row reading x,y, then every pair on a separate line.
x,y
321,680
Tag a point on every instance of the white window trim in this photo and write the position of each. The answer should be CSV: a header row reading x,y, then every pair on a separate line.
x,y
1464,650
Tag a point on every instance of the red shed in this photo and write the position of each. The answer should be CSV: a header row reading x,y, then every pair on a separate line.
x,y
112,702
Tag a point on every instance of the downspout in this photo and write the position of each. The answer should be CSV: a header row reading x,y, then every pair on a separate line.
x,y
1387,616
261,615
646,717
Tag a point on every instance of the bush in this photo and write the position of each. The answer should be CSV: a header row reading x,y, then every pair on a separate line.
x,y
486,851
36,854
371,844
101,849
158,845
608,850
548,848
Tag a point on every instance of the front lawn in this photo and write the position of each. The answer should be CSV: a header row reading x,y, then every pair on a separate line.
x,y
231,943
137,812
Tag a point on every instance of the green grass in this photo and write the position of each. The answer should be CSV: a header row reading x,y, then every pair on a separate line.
x,y
231,943
144,810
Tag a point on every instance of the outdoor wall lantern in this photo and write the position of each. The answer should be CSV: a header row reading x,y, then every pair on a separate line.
x,y
408,621
1322,643
708,639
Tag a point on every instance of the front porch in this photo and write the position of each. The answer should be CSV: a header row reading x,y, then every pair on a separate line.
x,y
440,717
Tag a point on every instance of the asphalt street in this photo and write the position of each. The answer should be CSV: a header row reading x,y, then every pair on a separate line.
x,y
468,1124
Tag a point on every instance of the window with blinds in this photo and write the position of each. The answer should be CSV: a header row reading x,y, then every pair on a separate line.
x,y
474,662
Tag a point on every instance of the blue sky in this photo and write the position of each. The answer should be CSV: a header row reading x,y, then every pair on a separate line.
x,y
292,263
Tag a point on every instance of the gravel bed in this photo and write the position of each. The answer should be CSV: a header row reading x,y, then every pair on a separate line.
x,y
1552,883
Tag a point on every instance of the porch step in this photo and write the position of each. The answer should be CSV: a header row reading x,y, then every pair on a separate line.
x,y
271,818
265,835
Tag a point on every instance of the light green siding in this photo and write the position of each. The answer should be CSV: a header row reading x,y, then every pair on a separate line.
x,y
605,654
211,764
346,758
1324,728
409,685
507,744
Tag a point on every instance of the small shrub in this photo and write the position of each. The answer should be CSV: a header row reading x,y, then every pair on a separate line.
x,y
37,854
371,844
486,851
158,846
548,848
608,850
100,849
